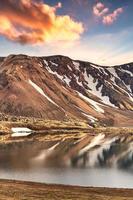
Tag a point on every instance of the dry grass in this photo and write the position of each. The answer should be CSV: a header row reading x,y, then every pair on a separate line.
x,y
14,190
56,130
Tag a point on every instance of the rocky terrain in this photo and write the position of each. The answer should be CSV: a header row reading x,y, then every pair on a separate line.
x,y
59,88
108,84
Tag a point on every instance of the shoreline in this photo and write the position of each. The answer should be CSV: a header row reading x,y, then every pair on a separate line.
x,y
20,190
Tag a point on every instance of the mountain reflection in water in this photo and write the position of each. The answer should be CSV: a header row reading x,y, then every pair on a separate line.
x,y
67,156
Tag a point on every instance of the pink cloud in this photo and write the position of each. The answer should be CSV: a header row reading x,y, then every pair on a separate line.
x,y
99,9
109,19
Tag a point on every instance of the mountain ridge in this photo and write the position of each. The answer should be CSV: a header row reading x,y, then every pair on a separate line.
x,y
61,55
57,87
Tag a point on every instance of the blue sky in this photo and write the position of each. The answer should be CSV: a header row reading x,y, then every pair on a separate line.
x,y
96,31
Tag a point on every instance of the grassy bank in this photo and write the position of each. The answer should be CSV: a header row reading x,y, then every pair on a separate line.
x,y
47,130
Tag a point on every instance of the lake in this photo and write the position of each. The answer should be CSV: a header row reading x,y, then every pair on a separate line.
x,y
89,161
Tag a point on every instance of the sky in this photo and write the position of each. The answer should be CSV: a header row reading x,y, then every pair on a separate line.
x,y
98,31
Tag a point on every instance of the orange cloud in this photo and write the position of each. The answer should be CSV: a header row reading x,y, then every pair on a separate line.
x,y
99,9
109,19
33,22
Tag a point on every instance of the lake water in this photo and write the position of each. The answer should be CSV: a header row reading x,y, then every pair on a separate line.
x,y
98,162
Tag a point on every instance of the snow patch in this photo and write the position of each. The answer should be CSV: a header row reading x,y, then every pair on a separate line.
x,y
92,85
91,118
76,64
67,80
53,63
92,65
92,102
113,72
46,63
63,78
20,132
128,72
77,80
69,67
36,87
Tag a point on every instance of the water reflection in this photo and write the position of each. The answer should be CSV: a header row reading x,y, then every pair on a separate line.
x,y
87,152
89,158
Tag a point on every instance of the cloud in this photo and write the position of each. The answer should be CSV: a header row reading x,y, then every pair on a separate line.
x,y
109,19
34,22
104,49
99,9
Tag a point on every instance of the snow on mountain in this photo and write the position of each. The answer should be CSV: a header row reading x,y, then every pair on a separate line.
x,y
107,84
41,92
60,88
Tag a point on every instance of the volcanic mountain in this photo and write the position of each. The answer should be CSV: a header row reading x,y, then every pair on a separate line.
x,y
60,88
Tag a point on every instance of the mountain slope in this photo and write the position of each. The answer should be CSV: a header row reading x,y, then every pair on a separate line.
x,y
59,88
112,85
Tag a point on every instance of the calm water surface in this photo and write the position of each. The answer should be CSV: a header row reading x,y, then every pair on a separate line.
x,y
101,162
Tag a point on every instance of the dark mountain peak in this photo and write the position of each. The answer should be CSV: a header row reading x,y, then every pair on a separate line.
x,y
106,83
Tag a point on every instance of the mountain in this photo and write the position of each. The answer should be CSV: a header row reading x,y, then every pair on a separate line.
x,y
60,88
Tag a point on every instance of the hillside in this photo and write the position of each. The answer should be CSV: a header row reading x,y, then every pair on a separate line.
x,y
59,88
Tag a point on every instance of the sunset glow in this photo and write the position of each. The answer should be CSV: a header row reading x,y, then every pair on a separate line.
x,y
73,28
